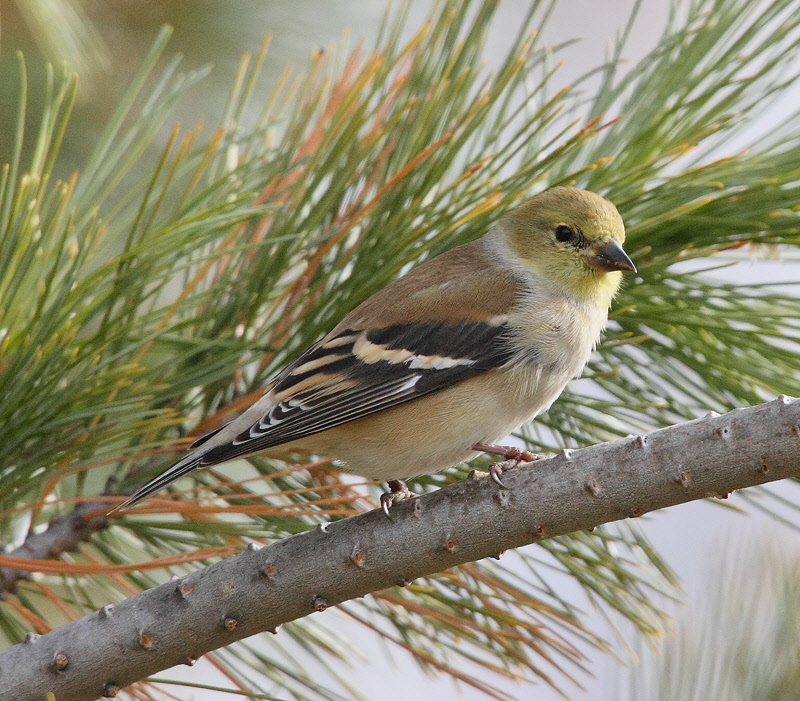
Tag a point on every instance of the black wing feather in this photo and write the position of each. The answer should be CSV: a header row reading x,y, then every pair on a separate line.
x,y
378,385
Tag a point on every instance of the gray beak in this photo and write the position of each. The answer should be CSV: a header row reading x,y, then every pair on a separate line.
x,y
610,256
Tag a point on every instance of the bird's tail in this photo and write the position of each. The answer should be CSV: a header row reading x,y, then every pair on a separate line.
x,y
192,461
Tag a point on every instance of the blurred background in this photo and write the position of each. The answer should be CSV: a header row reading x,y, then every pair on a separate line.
x,y
751,557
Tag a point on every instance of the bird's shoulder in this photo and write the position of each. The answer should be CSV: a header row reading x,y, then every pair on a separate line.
x,y
463,284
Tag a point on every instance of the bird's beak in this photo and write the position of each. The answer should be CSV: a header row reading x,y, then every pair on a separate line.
x,y
610,256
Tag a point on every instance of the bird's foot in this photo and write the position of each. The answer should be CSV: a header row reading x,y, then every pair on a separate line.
x,y
397,492
513,457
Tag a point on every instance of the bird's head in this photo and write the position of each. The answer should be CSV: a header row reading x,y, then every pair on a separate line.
x,y
573,238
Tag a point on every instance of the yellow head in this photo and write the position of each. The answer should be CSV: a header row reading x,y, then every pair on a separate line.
x,y
573,238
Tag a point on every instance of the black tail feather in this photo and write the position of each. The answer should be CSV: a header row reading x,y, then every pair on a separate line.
x,y
179,469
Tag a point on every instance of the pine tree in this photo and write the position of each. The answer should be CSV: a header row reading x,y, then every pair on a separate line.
x,y
137,312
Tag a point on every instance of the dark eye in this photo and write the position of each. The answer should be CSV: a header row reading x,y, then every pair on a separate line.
x,y
564,233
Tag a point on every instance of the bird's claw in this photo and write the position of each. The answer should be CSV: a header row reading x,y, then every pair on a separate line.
x,y
496,471
386,501
397,492
513,457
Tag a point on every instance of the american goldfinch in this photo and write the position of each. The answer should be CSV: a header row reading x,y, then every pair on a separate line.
x,y
447,360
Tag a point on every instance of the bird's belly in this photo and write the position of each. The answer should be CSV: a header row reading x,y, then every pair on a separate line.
x,y
438,431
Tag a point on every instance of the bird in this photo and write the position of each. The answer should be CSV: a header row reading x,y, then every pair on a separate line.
x,y
447,360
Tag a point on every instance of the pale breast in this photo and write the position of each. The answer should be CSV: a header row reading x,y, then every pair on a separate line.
x,y
556,331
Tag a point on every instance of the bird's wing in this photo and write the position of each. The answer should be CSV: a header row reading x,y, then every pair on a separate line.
x,y
348,375
357,373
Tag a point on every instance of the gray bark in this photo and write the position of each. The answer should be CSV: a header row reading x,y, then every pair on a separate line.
x,y
63,533
257,590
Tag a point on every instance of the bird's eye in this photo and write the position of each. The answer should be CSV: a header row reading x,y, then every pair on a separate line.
x,y
564,233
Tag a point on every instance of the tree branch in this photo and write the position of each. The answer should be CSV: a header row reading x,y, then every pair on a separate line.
x,y
63,533
257,590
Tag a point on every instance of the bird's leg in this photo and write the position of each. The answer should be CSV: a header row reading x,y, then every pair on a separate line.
x,y
510,453
397,492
